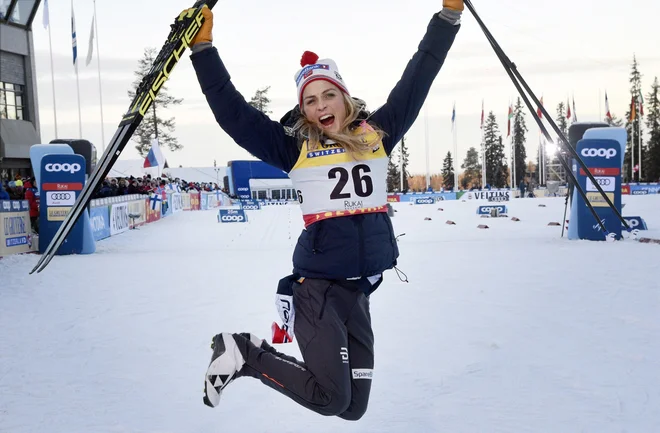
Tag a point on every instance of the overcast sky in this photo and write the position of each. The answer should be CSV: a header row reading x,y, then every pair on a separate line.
x,y
580,49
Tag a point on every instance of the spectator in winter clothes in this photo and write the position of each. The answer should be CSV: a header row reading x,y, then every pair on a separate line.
x,y
3,194
33,201
522,187
336,154
133,187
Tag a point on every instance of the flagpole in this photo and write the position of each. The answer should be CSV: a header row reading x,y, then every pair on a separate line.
x,y
74,42
639,142
401,169
455,150
52,72
483,149
79,113
98,63
426,139
600,116
632,140
513,158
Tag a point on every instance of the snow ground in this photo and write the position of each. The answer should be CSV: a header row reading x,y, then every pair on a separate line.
x,y
510,329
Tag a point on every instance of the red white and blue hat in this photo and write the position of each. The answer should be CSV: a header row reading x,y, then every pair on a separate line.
x,y
314,69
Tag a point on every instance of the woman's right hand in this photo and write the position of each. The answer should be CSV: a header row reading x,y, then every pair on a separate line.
x,y
205,32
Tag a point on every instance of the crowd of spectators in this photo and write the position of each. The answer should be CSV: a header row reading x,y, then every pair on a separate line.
x,y
117,186
23,189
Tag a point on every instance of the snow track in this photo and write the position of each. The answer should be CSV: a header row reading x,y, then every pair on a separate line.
x,y
510,329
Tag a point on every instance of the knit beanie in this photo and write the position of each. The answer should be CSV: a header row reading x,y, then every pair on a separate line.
x,y
314,69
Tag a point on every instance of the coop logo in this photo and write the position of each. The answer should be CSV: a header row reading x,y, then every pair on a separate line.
x,y
251,207
426,200
636,223
231,216
66,167
236,218
603,153
640,192
489,209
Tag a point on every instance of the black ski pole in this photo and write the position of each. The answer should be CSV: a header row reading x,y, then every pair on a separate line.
x,y
514,75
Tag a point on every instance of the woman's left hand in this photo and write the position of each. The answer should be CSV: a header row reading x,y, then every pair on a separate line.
x,y
456,5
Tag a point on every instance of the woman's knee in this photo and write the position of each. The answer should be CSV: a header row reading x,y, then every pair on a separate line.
x,y
338,403
354,412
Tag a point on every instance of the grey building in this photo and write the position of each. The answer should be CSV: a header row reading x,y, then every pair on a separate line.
x,y
19,105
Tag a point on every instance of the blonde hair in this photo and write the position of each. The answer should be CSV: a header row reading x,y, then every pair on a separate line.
x,y
354,144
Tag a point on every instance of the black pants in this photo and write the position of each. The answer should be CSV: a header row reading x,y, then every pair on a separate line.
x,y
333,330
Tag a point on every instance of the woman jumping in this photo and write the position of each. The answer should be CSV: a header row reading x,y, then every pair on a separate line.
x,y
336,154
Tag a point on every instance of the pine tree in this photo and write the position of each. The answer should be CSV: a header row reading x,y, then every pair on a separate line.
x,y
561,120
555,169
448,172
633,124
472,174
614,121
519,131
652,162
152,126
393,175
260,100
403,153
496,168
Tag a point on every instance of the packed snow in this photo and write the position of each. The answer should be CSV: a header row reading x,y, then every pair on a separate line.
x,y
506,329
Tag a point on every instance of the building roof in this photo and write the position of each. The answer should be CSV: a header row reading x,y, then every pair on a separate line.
x,y
18,12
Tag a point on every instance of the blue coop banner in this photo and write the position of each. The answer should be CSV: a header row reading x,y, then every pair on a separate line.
x,y
62,180
603,158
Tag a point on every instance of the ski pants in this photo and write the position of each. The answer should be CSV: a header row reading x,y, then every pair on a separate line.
x,y
333,330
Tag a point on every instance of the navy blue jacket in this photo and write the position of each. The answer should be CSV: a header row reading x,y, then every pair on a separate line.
x,y
341,247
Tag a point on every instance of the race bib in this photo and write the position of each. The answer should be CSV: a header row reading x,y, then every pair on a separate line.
x,y
330,183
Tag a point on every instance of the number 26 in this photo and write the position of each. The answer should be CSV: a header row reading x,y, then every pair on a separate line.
x,y
362,183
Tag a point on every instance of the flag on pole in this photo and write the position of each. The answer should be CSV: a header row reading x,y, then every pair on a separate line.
x,y
453,117
641,103
482,114
155,157
538,110
568,111
574,112
508,129
90,50
633,115
608,114
46,18
74,40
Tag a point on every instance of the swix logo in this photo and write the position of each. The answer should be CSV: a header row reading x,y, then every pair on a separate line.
x,y
603,153
597,226
71,168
